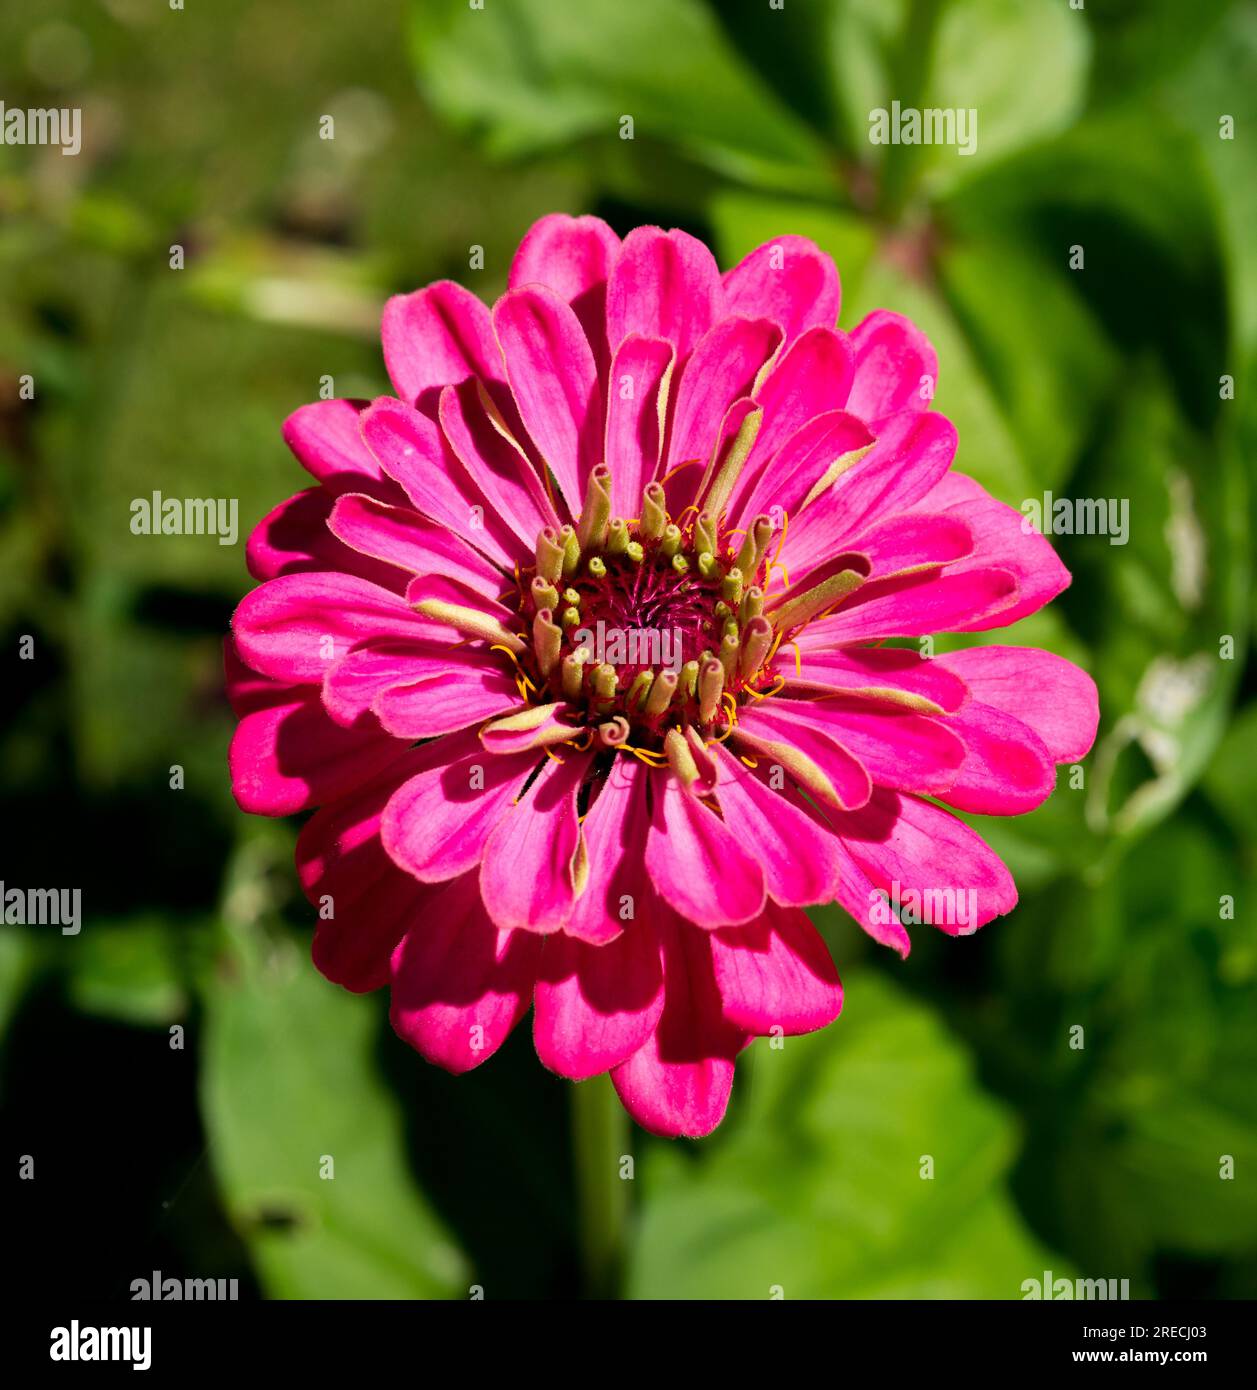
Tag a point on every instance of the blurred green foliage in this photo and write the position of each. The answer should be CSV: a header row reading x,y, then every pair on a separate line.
x,y
456,127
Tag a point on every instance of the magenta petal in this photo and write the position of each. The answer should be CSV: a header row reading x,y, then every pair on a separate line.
x,y
723,367
295,538
813,377
326,437
776,973
596,1005
554,379
865,901
529,873
496,464
663,285
800,861
445,588
295,627
900,749
898,545
412,544
896,368
917,606
905,843
365,903
910,456
443,704
914,541
872,669
573,257
839,778
636,392
616,893
1001,536
679,1081
802,461
437,824
791,281
437,337
698,865
1044,691
286,755
1007,770
414,452
352,686
459,984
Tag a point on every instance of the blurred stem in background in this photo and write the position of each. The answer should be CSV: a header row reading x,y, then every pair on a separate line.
x,y
911,72
600,1133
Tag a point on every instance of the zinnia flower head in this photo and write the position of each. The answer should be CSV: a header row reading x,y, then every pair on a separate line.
x,y
577,645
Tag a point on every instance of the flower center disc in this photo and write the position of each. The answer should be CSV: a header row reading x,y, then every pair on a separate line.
x,y
650,624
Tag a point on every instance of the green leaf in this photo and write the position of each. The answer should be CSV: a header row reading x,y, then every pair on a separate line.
x,y
1046,357
532,76
130,970
1137,45
817,1188
1231,780
1227,64
290,1085
1157,620
1020,64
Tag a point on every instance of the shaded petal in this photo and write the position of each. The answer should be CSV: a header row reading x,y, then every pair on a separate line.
x,y
459,984
409,542
697,864
791,281
800,861
890,673
1001,536
572,256
445,703
501,471
295,627
286,755
812,378
899,749
909,457
642,369
809,755
596,1005
678,1082
365,902
615,831
901,843
802,462
1044,691
896,368
915,606
437,337
352,686
533,865
663,285
326,437
724,366
1006,771
554,380
413,451
436,825
776,972
295,538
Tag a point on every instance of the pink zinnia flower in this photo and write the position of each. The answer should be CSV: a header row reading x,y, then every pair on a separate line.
x,y
631,443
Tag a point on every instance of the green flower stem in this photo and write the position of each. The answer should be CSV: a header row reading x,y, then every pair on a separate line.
x,y
600,1132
